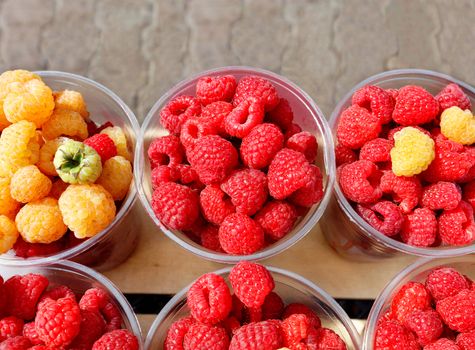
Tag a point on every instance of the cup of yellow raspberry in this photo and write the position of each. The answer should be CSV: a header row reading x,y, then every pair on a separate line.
x,y
66,177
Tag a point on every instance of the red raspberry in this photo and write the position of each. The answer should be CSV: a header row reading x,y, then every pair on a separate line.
x,y
441,195
420,228
103,145
356,127
10,327
209,299
466,341
256,87
120,339
399,128
328,339
411,297
215,204
391,335
260,146
27,250
202,336
15,343
312,192
29,331
376,100
453,95
296,308
244,117
281,115
213,158
359,181
57,293
97,300
265,335
469,193
273,307
304,142
215,114
231,324
92,327
213,89
288,171
193,129
384,216
177,112
166,150
176,206
163,173
344,155
414,106
457,226
42,347
445,282
247,189
377,150
458,311
176,334
426,325
442,344
58,322
295,328
404,190
23,293
393,92
291,131
251,314
277,218
240,235
251,283
210,238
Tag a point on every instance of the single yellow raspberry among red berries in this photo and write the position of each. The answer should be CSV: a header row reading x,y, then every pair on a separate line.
x,y
8,234
70,100
65,123
47,152
8,206
41,221
458,125
116,177
29,184
87,209
117,135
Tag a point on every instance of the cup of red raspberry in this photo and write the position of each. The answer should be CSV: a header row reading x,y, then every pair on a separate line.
x,y
77,209
235,163
252,307
429,305
405,156
64,306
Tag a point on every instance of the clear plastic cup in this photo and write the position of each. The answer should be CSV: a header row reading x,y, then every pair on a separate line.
x,y
291,287
80,278
306,114
344,229
416,272
113,245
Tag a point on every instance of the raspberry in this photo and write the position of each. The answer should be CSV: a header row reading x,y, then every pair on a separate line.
x,y
70,100
414,106
384,216
163,173
57,189
213,158
469,193
8,234
445,282
256,87
8,206
65,123
420,228
41,221
176,334
215,113
32,101
28,184
10,327
304,142
312,192
327,339
466,341
103,145
251,283
251,314
291,131
195,128
273,307
87,209
215,205
240,235
441,195
177,112
56,293
15,343
26,250
452,95
213,89
244,117
176,206
376,100
295,328
209,299
281,115
210,238
29,331
23,293
426,325
120,339
202,336
47,152
97,300
391,335
399,128
377,150
265,335
344,155
297,308
260,146
457,226
359,181
442,344
404,190
357,126
116,177
91,329
276,218
458,125
411,297
188,176
166,150
231,325
120,140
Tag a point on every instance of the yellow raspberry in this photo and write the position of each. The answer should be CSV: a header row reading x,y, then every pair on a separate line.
x,y
120,140
116,177
29,184
59,186
32,101
87,209
8,234
65,123
412,153
70,100
47,153
8,206
41,221
458,125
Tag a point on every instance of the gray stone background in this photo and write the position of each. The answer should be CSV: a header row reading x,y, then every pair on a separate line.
x,y
140,48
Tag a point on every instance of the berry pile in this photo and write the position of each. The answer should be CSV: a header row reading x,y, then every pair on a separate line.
x,y
406,161
254,318
436,315
35,315
61,176
235,173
